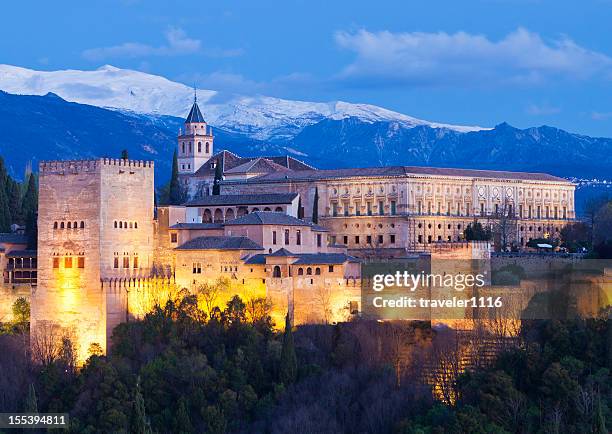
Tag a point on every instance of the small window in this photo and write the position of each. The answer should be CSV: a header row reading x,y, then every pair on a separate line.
x,y
199,147
135,264
286,237
392,239
309,271
69,225
356,239
369,239
75,225
298,239
300,271
331,269
131,225
135,225
68,262
55,262
354,307
318,240
345,240
116,263
82,224
120,225
273,237
173,237
126,262
318,271
380,239
55,225
81,262
115,224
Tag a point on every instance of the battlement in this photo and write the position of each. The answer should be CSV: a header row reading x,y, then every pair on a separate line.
x,y
63,167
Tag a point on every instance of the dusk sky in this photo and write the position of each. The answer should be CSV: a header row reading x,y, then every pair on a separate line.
x,y
527,62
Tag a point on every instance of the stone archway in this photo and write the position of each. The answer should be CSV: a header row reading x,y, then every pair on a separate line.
x,y
218,215
229,214
243,210
206,216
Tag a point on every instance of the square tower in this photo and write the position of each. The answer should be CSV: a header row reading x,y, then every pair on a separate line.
x,y
195,145
95,222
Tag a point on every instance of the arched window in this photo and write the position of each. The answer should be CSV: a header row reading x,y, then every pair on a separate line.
x,y
300,271
115,224
55,225
131,225
120,225
135,225
69,225
75,225
207,148
267,209
278,209
125,225
276,272
183,147
309,271
82,224
318,271
199,146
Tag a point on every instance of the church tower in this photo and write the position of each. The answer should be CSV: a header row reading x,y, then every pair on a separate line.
x,y
195,144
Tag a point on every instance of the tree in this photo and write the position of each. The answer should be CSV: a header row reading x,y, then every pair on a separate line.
x,y
31,402
182,422
218,177
315,207
209,292
504,227
13,194
29,210
576,235
5,213
21,311
124,155
476,232
140,423
175,195
288,360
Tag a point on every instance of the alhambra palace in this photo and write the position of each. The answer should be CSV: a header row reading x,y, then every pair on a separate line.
x,y
279,229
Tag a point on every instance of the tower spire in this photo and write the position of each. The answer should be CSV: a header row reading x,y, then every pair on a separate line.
x,y
195,94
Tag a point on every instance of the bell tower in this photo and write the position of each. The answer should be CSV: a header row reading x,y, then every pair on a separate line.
x,y
195,144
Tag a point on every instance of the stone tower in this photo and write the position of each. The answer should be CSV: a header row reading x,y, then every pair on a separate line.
x,y
195,144
95,223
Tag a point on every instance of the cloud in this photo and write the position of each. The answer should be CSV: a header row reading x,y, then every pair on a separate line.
x,y
601,116
177,43
542,109
521,57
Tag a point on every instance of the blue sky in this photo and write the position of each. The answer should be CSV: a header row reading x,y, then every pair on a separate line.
x,y
527,62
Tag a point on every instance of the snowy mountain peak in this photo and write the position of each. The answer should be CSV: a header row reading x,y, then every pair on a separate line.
x,y
262,117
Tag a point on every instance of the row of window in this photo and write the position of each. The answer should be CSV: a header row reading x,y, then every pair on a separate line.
x,y
125,262
69,261
547,212
187,146
125,225
276,271
369,209
380,239
69,225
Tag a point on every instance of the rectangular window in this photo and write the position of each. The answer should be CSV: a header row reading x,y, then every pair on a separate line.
x,y
273,237
331,268
81,262
496,208
334,209
439,208
369,208
68,262
521,210
420,207
55,262
332,240
197,268
356,239
116,263
286,237
381,208
318,240
448,208
126,262
369,239
393,208
135,264
380,239
564,212
468,206
345,240
392,239
420,239
357,208
539,211
345,206
298,238
529,212
354,307
173,237
482,209
556,212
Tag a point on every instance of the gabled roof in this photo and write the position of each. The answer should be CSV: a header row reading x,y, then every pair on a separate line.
x,y
21,254
12,238
258,165
267,218
195,115
282,252
244,199
197,226
220,243
229,160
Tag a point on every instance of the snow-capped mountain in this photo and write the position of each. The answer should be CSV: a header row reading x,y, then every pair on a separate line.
x,y
260,117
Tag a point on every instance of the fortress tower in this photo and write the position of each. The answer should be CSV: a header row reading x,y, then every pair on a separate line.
x,y
195,145
95,222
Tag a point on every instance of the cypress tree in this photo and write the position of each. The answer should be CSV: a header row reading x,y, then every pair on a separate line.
x,y
29,209
5,212
218,177
124,155
182,422
315,207
174,191
288,361
140,423
31,403
13,194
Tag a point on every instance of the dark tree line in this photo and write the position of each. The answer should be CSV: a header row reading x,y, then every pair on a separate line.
x,y
19,204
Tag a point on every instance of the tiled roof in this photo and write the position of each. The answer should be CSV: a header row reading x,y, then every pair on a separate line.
x,y
21,254
282,252
12,238
267,218
258,259
324,258
229,161
309,175
244,199
258,165
195,115
196,226
220,243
